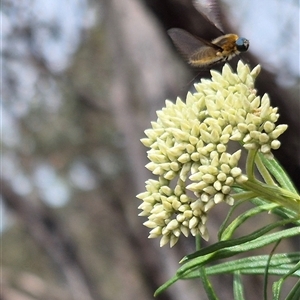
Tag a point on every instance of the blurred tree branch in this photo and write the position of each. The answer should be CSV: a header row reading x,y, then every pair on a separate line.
x,y
50,235
144,73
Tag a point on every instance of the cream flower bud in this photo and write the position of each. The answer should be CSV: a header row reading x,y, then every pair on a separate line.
x,y
190,155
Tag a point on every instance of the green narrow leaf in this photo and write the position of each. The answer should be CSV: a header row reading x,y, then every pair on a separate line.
x,y
231,211
294,269
277,271
295,292
276,288
166,285
228,232
231,251
266,275
280,262
234,242
207,285
238,291
205,281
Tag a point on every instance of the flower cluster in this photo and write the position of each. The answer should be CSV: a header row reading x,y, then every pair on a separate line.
x,y
189,151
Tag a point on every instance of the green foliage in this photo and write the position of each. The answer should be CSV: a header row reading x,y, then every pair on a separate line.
x,y
206,261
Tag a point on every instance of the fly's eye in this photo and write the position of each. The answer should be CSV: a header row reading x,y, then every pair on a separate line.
x,y
242,44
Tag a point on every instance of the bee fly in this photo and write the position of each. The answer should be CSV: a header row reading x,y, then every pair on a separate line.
x,y
201,53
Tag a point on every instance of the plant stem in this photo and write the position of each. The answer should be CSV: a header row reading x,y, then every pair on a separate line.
x,y
264,171
250,164
275,194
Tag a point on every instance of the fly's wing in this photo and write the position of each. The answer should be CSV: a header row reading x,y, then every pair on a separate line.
x,y
196,51
206,57
210,9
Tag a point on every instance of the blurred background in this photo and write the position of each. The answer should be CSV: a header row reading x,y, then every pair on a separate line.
x,y
81,81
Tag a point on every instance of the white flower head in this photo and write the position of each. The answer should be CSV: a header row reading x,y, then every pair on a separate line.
x,y
189,151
